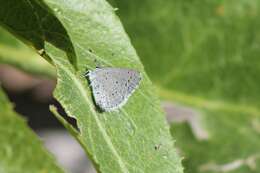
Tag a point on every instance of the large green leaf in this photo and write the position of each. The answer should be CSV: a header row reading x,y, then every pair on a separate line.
x,y
204,55
20,149
126,140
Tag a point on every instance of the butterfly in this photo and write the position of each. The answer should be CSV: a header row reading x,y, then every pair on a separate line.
x,y
111,87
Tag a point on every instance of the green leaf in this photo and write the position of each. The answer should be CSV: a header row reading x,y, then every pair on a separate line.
x,y
13,52
204,56
126,140
33,23
20,149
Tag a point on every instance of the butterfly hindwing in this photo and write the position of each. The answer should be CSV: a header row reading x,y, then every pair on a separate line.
x,y
112,86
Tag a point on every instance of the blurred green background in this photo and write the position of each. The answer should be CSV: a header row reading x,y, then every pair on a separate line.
x,y
203,56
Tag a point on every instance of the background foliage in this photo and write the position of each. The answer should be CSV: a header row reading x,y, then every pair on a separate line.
x,y
203,57
20,149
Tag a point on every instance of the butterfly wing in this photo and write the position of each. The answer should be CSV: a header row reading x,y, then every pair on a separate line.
x,y
112,86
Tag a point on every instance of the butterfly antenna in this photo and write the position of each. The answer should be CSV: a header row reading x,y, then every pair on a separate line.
x,y
84,75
